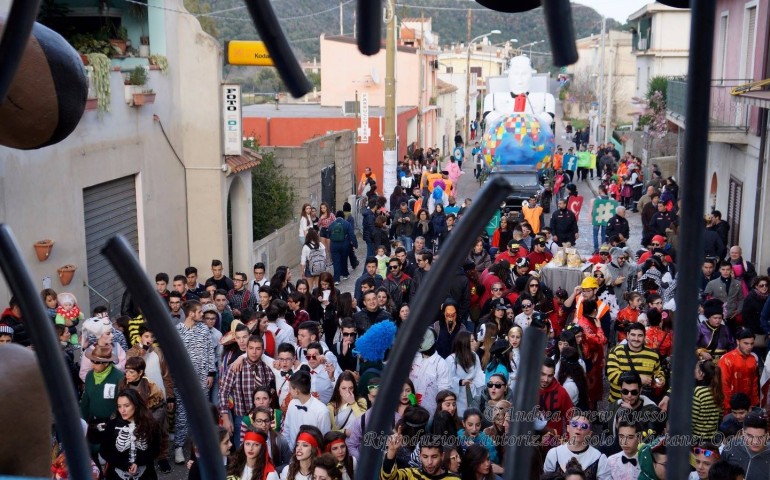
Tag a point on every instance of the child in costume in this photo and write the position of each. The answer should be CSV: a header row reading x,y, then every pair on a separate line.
x,y
68,314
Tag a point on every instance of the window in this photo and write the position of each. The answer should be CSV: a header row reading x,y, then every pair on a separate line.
x,y
721,57
450,69
750,24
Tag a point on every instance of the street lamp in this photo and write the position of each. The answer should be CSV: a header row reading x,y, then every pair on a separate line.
x,y
530,45
468,80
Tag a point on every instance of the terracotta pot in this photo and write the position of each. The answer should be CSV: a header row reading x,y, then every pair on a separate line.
x,y
66,273
143,99
84,58
43,249
92,104
119,44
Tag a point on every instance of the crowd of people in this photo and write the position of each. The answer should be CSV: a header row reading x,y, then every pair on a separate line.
x,y
292,367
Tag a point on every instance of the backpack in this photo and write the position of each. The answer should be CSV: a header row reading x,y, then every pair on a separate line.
x,y
316,261
337,232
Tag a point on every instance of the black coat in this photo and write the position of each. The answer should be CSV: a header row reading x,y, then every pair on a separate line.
x,y
660,222
752,308
564,226
365,319
618,226
713,245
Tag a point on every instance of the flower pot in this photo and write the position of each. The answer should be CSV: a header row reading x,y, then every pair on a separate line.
x,y
84,58
43,249
144,51
119,44
66,273
92,103
140,99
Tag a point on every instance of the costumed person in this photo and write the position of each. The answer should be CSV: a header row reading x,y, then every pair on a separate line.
x,y
437,196
68,314
252,461
131,441
652,460
101,329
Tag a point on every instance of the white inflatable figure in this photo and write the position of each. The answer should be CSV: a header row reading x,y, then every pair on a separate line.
x,y
519,99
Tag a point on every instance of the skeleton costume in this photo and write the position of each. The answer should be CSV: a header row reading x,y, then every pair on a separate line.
x,y
121,448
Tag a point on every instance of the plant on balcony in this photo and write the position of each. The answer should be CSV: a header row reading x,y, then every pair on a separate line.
x,y
161,61
101,79
136,95
87,43
138,76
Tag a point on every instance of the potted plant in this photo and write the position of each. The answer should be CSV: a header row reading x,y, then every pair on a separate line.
x,y
66,273
101,66
161,62
43,249
136,94
144,46
120,39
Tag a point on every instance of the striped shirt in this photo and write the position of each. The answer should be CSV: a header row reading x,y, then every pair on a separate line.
x,y
645,362
706,414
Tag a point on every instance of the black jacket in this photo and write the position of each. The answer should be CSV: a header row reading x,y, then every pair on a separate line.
x,y
564,226
713,245
618,225
367,224
660,222
365,319
460,292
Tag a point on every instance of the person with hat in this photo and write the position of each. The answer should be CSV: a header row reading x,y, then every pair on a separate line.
x,y
99,392
11,316
252,460
739,369
101,329
714,338
6,334
623,273
652,460
587,290
448,327
540,254
657,244
429,371
514,252
602,256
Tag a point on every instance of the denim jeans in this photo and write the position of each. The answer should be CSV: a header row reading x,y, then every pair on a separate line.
x,y
340,259
370,249
599,229
237,419
407,241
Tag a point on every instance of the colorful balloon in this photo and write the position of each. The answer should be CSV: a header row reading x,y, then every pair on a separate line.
x,y
518,139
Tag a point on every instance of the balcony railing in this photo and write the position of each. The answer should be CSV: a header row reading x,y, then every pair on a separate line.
x,y
725,113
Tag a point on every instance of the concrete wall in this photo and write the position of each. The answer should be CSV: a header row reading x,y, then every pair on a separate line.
x,y
41,191
279,248
303,166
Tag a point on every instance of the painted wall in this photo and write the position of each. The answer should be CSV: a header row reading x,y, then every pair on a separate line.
x,y
292,132
669,45
41,192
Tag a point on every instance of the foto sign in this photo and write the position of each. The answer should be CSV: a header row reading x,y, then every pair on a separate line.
x,y
232,119
364,131
248,52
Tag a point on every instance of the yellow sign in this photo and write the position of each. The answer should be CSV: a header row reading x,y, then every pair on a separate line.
x,y
246,52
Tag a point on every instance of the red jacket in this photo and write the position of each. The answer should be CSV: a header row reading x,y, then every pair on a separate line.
x,y
739,374
556,404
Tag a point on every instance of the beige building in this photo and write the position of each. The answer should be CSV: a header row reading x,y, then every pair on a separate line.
x,y
661,43
619,74
153,173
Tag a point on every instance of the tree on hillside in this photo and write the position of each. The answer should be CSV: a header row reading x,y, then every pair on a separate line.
x,y
197,7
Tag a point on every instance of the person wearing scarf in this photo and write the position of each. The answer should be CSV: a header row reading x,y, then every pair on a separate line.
x,y
100,392
252,460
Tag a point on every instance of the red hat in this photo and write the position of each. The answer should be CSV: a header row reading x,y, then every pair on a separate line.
x,y
659,239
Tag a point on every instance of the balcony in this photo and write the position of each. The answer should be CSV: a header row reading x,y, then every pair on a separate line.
x,y
728,118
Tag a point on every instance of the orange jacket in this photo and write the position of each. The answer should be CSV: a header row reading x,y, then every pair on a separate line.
x,y
739,374
532,216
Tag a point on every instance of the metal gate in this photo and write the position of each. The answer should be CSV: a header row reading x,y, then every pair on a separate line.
x,y
329,187
734,206
109,209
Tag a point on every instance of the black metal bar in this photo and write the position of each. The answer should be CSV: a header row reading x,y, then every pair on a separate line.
x,y
43,336
518,459
452,256
691,231
561,31
369,30
18,26
280,51
123,260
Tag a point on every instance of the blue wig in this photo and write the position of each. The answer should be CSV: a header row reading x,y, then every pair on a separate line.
x,y
377,340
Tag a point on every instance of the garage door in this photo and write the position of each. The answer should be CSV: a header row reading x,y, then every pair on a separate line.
x,y
109,210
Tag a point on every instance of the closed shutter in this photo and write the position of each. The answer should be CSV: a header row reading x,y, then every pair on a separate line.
x,y
751,15
734,205
109,210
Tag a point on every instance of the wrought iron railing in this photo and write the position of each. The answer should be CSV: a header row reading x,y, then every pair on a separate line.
x,y
726,114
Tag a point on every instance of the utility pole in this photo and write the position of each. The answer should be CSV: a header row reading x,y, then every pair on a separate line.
x,y
608,122
355,35
389,154
601,83
421,90
466,123
342,29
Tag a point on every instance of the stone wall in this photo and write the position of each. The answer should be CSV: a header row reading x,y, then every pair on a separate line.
x,y
303,166
633,142
279,248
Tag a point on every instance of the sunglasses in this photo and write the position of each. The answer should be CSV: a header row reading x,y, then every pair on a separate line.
x,y
311,357
626,391
394,267
604,254
373,386
598,275
497,289
704,452
348,334
100,363
762,285
526,305
534,285
655,244
580,425
495,385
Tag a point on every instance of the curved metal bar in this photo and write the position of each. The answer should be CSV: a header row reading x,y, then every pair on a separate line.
x,y
408,339
18,26
691,227
285,62
524,400
561,31
368,18
123,260
46,343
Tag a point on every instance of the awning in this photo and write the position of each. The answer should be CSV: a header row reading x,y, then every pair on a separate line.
x,y
245,161
759,99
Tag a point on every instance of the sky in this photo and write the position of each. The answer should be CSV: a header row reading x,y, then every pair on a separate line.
x,y
617,9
